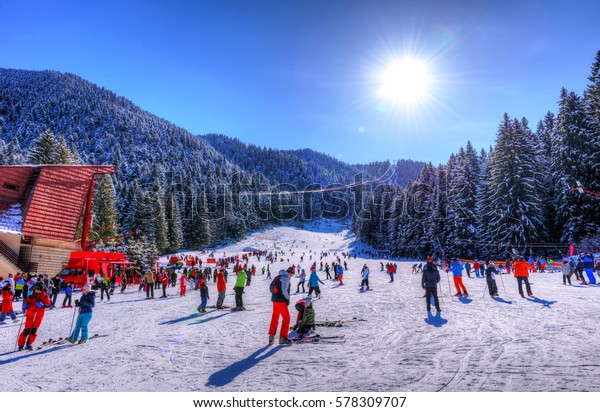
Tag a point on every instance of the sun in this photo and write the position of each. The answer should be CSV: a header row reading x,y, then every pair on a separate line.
x,y
405,81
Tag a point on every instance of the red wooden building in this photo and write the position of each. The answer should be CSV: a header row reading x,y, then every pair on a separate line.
x,y
41,208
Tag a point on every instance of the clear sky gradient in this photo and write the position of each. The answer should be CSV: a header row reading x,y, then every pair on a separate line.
x,y
294,74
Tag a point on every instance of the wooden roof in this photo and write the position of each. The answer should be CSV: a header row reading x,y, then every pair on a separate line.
x,y
52,197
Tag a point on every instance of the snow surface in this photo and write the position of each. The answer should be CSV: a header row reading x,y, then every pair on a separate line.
x,y
11,220
546,343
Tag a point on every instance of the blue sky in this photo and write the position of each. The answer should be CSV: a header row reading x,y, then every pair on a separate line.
x,y
294,74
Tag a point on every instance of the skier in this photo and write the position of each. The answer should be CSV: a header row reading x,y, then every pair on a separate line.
x,y
164,280
19,285
280,296
313,284
240,283
327,271
340,274
150,278
85,304
429,282
305,321
221,289
588,266
301,282
522,274
468,269
35,305
390,271
68,295
365,277
203,297
477,268
457,274
7,303
566,272
104,288
490,276
183,282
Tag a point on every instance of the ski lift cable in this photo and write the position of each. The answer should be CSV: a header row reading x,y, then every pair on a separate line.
x,y
383,177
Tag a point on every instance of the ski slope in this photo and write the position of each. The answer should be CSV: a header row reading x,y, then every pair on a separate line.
x,y
546,343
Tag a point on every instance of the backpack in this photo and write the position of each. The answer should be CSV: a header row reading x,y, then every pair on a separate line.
x,y
275,287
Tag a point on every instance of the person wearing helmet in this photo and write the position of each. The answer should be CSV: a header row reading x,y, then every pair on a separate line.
x,y
35,306
280,296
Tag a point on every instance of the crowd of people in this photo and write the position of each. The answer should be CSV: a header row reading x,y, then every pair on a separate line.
x,y
40,292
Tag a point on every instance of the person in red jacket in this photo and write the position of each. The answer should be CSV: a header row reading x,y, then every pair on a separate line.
x,y
183,281
221,288
7,303
35,305
164,280
522,274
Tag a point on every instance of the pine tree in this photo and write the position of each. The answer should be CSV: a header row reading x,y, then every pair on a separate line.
x,y
106,218
174,224
514,207
49,150
575,152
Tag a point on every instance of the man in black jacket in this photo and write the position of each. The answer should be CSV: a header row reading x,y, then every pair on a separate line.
x,y
429,281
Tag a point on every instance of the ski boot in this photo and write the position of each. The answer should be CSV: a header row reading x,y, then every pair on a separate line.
x,y
285,341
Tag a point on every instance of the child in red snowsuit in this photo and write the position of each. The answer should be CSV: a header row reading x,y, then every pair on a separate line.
x,y
7,307
35,305
183,280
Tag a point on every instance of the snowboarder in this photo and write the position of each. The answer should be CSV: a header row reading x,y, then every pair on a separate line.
x,y
457,274
522,274
429,282
280,296
35,305
85,304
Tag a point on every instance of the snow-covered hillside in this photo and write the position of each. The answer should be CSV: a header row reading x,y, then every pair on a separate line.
x,y
545,343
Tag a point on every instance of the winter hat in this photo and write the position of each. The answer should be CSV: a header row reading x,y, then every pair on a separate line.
x,y
86,287
430,259
291,270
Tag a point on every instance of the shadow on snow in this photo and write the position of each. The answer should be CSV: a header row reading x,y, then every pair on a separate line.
x,y
436,321
227,375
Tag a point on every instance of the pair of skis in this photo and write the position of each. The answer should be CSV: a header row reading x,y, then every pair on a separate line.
x,y
319,339
63,341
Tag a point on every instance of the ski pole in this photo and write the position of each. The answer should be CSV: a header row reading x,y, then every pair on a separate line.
x,y
19,333
73,320
504,287
484,289
449,289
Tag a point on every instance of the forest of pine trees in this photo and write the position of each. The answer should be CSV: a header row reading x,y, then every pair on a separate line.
x,y
518,196
174,190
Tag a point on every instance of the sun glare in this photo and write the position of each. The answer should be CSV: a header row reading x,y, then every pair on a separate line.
x,y
405,81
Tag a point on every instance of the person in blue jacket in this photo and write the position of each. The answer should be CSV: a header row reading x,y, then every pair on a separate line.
x,y
588,266
313,284
457,270
85,304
